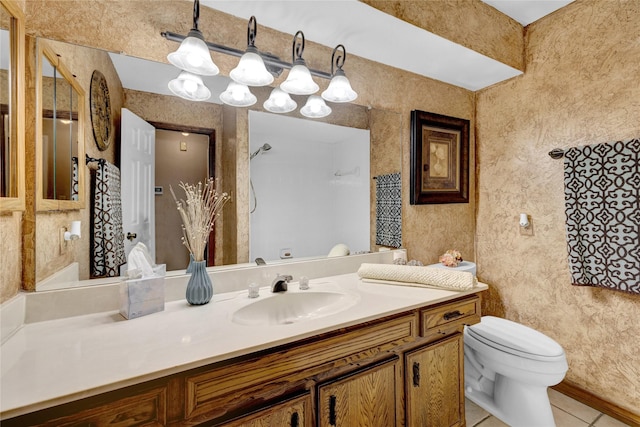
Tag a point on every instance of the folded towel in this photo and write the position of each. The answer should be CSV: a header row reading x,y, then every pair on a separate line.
x,y
418,276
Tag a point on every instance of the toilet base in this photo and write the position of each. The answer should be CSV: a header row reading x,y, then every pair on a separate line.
x,y
514,403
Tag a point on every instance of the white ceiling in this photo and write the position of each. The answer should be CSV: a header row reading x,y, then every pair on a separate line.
x,y
373,35
527,11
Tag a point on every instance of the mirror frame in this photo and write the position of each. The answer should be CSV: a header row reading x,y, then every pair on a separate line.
x,y
44,51
17,103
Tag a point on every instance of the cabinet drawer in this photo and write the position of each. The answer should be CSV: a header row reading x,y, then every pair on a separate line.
x,y
451,316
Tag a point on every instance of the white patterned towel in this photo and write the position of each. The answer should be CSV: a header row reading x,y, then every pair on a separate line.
x,y
418,276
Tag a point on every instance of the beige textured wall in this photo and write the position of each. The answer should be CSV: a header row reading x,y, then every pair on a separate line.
x,y
580,87
10,248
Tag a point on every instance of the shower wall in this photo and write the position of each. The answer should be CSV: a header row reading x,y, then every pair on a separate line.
x,y
312,193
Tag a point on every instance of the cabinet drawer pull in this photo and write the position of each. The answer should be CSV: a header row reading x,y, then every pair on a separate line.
x,y
332,410
416,374
452,315
295,420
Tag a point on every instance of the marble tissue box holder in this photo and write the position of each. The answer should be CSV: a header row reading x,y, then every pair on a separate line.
x,y
139,297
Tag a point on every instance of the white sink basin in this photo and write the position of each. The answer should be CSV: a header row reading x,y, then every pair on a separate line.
x,y
291,307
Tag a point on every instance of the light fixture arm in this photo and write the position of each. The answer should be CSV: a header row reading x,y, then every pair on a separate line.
x,y
196,14
252,32
338,61
298,47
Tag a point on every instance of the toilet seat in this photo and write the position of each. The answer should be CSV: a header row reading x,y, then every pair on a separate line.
x,y
516,339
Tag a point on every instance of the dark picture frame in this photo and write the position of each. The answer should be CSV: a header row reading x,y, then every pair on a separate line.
x,y
439,159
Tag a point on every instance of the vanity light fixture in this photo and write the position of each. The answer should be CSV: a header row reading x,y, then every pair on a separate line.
x,y
189,86
339,89
193,54
315,108
257,68
238,95
299,80
279,102
251,70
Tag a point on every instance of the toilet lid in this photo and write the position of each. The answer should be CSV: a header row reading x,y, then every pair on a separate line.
x,y
514,338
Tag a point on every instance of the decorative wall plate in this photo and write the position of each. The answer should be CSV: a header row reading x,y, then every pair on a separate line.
x,y
101,120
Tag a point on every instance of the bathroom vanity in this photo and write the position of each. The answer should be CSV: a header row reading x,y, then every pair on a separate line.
x,y
389,354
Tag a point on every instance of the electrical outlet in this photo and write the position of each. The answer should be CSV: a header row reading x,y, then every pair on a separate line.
x,y
63,243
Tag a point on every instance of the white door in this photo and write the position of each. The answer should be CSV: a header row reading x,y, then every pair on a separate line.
x,y
138,179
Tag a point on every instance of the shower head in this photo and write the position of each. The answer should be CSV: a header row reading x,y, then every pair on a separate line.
x,y
265,147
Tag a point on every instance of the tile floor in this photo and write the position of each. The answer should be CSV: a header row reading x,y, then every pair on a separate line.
x,y
566,411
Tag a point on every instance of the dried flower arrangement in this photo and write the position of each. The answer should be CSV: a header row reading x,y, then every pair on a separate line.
x,y
451,258
198,212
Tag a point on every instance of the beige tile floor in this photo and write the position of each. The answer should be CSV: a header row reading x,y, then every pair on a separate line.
x,y
566,411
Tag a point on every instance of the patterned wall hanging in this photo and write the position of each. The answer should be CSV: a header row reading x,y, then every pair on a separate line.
x,y
389,210
602,200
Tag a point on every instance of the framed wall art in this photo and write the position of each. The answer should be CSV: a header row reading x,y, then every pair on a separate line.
x,y
439,159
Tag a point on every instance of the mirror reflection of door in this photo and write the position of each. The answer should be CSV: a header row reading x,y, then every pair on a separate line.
x,y
137,171
153,159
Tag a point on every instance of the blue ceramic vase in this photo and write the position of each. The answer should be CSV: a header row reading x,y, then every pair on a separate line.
x,y
199,287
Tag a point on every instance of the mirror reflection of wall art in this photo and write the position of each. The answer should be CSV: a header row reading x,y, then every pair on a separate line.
x,y
101,122
439,159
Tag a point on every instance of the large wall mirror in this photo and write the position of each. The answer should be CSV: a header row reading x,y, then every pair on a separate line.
x,y
59,134
12,184
150,99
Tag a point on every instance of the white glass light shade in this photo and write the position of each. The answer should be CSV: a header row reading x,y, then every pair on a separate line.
x,y
279,102
339,90
315,108
299,81
238,95
193,56
251,71
189,86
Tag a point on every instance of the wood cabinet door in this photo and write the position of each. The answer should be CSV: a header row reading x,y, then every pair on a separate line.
x,y
364,398
291,413
434,387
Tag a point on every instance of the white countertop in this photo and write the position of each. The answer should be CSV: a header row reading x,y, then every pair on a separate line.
x,y
57,361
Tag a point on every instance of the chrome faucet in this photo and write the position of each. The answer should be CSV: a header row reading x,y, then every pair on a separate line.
x,y
279,284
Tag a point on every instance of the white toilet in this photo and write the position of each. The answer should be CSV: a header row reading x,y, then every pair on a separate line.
x,y
507,369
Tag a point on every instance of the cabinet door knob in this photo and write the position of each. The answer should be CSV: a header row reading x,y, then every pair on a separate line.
x,y
416,374
332,410
295,420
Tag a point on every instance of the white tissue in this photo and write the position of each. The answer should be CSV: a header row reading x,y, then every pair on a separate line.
x,y
142,291
139,262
